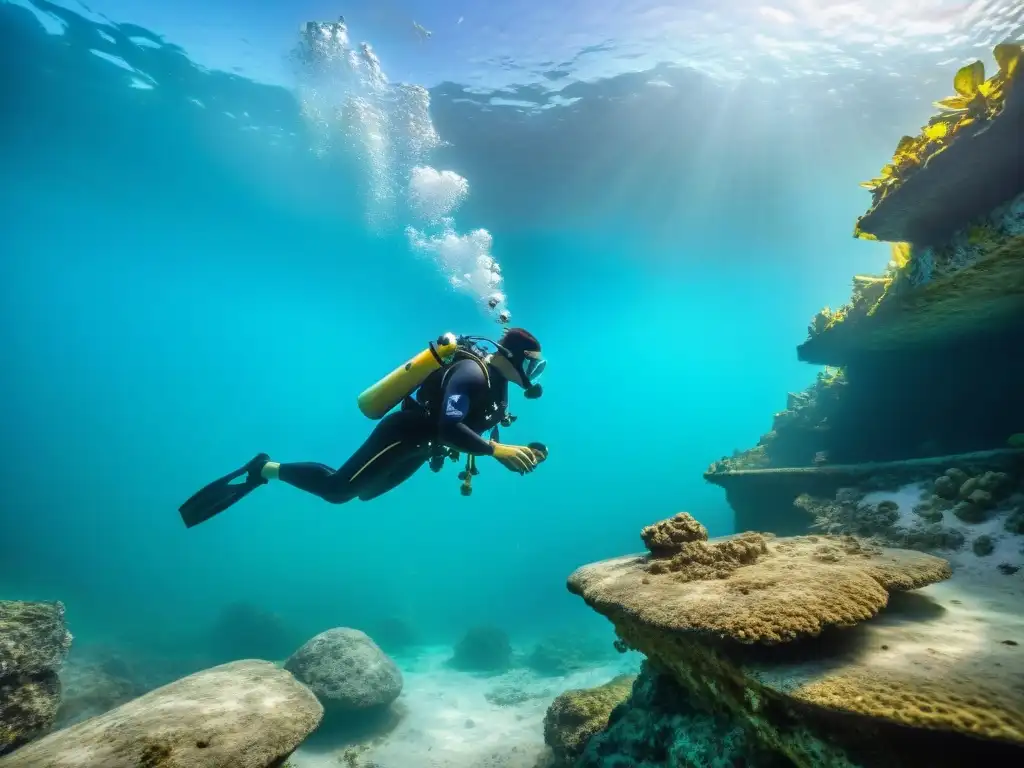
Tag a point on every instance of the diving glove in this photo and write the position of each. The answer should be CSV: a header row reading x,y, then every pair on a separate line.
x,y
518,458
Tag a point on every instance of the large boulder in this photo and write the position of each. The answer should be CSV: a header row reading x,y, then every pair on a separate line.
x,y
347,671
246,714
33,645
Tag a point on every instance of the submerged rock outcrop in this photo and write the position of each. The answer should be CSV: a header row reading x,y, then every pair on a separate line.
x,y
660,725
33,645
246,714
922,353
575,716
817,647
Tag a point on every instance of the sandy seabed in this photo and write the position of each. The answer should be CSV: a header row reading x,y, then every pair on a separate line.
x,y
448,721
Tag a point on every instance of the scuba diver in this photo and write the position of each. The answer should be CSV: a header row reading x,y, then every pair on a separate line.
x,y
450,394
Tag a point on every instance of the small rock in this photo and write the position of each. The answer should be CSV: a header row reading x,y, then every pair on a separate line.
x,y
945,487
928,513
958,476
1008,570
970,486
246,714
346,670
983,545
969,512
996,483
951,538
981,499
1015,522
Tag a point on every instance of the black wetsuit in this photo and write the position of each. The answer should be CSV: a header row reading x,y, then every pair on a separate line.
x,y
453,407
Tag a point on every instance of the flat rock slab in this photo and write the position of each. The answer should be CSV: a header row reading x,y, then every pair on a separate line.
x,y
797,587
980,169
246,714
981,300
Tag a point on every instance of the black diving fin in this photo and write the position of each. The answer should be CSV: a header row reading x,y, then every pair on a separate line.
x,y
222,493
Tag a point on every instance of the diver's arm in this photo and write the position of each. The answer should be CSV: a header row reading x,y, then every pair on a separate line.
x,y
464,382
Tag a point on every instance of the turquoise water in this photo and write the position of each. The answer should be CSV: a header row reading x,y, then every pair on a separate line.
x,y
195,269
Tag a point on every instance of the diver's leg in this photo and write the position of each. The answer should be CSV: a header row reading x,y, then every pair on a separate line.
x,y
392,440
400,471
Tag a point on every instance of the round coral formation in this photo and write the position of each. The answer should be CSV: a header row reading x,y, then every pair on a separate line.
x,y
666,538
698,560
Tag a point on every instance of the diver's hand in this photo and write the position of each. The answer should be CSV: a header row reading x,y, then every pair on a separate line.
x,y
518,458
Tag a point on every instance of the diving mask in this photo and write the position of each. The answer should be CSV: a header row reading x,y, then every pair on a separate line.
x,y
532,367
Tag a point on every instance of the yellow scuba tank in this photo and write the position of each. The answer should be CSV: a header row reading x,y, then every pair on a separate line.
x,y
375,401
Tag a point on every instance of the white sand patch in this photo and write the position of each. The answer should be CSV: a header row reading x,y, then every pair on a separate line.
x,y
449,722
905,498
1008,546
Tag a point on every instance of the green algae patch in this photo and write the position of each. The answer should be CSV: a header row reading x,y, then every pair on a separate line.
x,y
575,716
